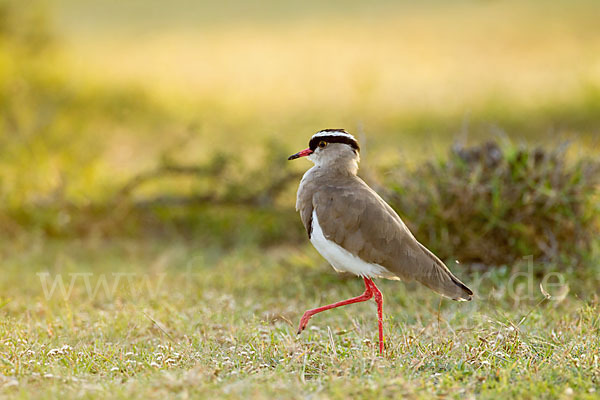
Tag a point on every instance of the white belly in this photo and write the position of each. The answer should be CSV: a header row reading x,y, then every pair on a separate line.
x,y
341,259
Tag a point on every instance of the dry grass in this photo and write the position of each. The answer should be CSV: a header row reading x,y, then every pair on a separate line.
x,y
195,322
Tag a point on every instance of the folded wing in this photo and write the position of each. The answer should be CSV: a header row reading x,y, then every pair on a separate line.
x,y
359,220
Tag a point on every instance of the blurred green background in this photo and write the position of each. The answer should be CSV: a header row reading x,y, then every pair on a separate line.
x,y
128,118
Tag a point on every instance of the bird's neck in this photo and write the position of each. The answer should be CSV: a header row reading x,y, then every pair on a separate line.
x,y
344,167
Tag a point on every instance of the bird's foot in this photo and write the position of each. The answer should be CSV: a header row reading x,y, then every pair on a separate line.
x,y
303,322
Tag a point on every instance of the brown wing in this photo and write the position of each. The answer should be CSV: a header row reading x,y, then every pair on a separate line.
x,y
304,202
352,215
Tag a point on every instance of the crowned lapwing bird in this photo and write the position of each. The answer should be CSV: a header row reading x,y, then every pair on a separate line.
x,y
356,231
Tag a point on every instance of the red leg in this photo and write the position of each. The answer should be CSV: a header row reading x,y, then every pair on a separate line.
x,y
369,285
379,301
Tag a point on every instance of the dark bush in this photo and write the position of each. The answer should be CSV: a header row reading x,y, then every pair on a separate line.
x,y
496,204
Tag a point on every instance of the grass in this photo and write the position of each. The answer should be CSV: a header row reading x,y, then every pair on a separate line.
x,y
191,321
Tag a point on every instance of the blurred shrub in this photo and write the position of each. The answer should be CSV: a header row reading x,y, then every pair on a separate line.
x,y
55,127
221,201
496,204
228,202
56,130
25,25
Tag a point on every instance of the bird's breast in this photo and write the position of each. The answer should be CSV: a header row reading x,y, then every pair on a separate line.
x,y
341,259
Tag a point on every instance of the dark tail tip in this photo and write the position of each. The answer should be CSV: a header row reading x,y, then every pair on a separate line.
x,y
467,291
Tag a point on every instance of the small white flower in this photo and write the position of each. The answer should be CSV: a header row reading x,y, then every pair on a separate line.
x,y
10,383
569,391
155,365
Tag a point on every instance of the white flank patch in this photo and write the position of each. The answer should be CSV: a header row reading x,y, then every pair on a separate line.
x,y
341,259
333,133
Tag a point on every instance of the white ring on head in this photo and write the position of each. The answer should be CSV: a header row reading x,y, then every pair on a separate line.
x,y
333,133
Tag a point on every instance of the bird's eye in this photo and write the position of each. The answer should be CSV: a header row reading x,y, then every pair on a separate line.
x,y
322,144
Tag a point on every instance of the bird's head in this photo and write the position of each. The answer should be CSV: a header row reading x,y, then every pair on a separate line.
x,y
332,148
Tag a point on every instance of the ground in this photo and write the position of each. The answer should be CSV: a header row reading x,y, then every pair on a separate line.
x,y
175,319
